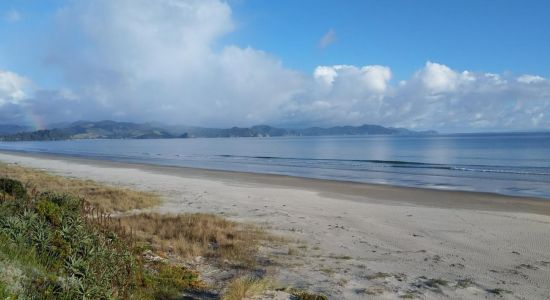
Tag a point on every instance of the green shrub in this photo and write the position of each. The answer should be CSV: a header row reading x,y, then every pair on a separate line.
x,y
4,293
50,211
171,279
12,187
70,204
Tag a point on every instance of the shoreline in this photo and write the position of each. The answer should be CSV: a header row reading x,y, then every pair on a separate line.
x,y
351,240
348,190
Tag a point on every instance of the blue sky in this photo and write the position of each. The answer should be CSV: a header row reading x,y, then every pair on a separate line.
x,y
492,36
457,65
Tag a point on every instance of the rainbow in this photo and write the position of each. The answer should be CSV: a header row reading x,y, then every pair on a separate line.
x,y
34,120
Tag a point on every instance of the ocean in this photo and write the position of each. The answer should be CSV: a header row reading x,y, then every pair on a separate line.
x,y
510,164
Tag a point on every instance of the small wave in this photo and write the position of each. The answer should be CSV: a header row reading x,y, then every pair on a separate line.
x,y
501,171
396,162
405,164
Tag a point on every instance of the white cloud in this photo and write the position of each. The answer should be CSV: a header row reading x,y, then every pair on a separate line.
x,y
13,88
371,78
376,78
436,96
530,79
326,74
12,16
437,78
327,39
144,60
141,60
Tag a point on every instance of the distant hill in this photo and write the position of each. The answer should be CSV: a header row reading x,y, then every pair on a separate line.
x,y
254,131
269,131
12,129
126,130
365,129
93,130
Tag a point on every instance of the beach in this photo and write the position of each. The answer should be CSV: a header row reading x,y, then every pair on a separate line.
x,y
355,240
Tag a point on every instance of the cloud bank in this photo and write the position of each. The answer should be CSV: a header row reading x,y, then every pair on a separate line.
x,y
140,60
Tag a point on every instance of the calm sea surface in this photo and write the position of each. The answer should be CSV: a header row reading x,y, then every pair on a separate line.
x,y
512,164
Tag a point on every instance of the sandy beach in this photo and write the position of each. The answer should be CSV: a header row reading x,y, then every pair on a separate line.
x,y
357,241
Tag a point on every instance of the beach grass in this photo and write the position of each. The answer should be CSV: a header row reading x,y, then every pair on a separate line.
x,y
102,196
199,235
245,287
299,294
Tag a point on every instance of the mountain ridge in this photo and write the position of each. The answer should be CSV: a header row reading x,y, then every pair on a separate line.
x,y
6,129
126,130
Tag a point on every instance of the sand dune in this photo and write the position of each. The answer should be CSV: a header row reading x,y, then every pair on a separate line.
x,y
356,241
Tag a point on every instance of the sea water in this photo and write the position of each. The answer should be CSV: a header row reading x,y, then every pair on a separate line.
x,y
511,164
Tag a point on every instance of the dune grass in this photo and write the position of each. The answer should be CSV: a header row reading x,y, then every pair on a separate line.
x,y
102,196
51,248
206,235
184,235
245,287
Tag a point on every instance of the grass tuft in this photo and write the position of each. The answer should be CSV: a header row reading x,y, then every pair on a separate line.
x,y
343,257
192,235
299,294
378,275
244,287
498,291
436,282
464,283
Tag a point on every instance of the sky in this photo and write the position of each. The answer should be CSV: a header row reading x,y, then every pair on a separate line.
x,y
452,66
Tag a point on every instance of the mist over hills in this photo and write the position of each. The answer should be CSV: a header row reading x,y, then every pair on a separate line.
x,y
6,129
127,130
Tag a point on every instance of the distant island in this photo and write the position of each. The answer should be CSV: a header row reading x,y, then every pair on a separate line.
x,y
126,130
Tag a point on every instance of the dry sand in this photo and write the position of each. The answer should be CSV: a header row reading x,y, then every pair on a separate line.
x,y
357,241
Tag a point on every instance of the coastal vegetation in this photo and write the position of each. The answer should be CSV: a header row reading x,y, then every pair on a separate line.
x,y
104,197
51,247
199,235
65,238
